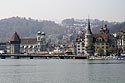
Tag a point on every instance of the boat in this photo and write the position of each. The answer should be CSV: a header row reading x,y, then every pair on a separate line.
x,y
119,57
97,58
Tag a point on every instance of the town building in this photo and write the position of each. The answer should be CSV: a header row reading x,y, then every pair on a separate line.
x,y
28,45
70,49
104,40
3,48
121,40
80,43
18,45
31,45
91,44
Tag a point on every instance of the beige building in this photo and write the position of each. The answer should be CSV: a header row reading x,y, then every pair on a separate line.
x,y
104,42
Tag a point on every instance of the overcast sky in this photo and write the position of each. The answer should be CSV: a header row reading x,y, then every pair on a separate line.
x,y
111,10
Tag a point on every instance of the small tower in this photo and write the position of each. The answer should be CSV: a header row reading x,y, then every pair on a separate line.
x,y
89,44
41,39
15,44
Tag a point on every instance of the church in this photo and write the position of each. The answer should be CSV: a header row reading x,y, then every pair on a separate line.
x,y
18,45
31,45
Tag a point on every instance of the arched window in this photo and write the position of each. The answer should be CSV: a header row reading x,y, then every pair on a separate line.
x,y
99,39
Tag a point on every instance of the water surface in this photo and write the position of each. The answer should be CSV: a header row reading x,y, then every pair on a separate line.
x,y
61,71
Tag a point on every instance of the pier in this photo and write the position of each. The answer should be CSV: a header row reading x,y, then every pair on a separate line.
x,y
36,56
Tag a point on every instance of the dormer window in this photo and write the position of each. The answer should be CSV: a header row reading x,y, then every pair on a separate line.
x,y
99,39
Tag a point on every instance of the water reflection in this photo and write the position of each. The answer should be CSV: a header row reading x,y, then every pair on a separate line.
x,y
61,71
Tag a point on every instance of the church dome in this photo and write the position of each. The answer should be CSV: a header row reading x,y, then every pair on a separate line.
x,y
43,33
39,32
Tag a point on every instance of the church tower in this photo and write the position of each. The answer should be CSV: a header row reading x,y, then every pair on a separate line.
x,y
89,42
41,39
15,44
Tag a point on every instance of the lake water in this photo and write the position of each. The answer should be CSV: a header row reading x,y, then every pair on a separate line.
x,y
61,71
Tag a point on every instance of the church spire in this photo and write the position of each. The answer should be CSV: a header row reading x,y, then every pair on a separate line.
x,y
89,46
88,28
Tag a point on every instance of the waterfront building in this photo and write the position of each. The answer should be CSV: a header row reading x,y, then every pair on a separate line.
x,y
101,43
41,39
121,40
28,45
15,44
70,48
31,45
25,45
3,48
80,43
104,40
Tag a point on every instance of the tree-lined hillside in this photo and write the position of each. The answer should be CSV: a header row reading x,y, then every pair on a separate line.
x,y
27,27
117,27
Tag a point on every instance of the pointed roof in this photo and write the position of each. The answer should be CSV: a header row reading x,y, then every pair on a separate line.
x,y
104,36
88,28
15,37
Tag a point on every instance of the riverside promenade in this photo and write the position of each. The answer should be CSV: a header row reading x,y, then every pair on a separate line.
x,y
38,56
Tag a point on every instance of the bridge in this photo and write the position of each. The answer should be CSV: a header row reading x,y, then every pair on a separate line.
x,y
37,56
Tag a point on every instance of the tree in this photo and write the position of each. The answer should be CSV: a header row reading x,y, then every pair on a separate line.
x,y
112,50
100,51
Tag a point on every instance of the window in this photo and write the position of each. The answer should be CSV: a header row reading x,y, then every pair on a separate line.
x,y
97,43
38,38
78,42
78,49
78,45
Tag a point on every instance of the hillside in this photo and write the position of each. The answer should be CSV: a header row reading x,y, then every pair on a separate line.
x,y
118,27
27,27
95,24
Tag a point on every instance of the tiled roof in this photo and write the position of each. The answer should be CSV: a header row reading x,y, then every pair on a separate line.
x,y
104,36
29,41
71,44
120,34
15,37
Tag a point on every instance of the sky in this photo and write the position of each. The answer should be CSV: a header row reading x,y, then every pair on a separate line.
x,y
57,10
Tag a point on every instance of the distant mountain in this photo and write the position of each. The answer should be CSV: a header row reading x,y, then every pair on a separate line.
x,y
117,27
81,24
27,27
